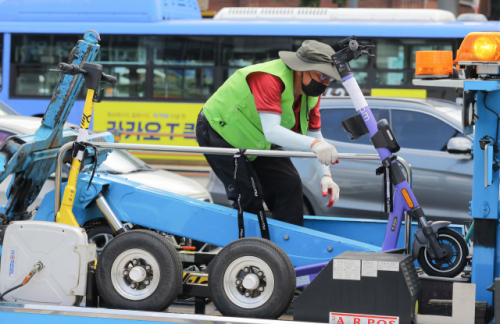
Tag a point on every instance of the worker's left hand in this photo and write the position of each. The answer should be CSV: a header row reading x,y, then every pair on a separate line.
x,y
330,187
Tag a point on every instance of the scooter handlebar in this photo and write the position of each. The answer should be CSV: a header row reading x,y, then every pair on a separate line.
x,y
74,69
71,69
343,43
109,78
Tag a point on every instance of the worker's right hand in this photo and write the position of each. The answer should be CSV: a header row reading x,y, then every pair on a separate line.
x,y
326,153
330,187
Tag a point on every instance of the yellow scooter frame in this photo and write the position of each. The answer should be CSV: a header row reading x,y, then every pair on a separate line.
x,y
93,75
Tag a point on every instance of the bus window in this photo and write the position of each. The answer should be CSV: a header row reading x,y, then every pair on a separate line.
x,y
41,49
361,77
390,54
184,50
125,57
395,78
183,66
35,81
179,83
122,49
130,84
241,51
32,56
395,58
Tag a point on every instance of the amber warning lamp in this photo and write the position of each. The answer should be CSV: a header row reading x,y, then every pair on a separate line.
x,y
479,53
434,64
479,47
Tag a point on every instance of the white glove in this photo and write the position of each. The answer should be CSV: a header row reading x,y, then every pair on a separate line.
x,y
326,153
330,187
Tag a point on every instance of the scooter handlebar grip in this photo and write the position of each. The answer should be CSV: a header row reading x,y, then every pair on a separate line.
x,y
72,69
109,78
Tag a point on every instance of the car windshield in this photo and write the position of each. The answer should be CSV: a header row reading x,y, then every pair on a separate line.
x,y
123,162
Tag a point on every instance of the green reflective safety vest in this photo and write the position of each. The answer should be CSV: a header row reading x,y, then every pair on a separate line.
x,y
232,113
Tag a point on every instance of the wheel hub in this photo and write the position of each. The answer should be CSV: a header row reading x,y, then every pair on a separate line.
x,y
258,277
449,252
251,282
137,274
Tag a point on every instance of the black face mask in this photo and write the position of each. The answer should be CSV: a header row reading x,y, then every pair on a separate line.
x,y
314,88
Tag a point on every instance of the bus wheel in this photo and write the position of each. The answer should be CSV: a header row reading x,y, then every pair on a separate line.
x,y
252,277
139,270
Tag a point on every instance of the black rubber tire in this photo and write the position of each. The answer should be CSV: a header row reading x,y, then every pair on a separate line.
x,y
274,257
462,253
100,235
170,284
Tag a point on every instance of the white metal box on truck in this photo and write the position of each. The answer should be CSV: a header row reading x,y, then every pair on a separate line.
x,y
64,252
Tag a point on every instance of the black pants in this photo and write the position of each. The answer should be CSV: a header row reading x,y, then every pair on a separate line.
x,y
280,181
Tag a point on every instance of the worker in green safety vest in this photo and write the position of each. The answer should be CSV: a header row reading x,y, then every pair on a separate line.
x,y
269,106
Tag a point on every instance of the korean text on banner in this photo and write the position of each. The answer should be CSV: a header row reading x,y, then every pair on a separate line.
x,y
156,123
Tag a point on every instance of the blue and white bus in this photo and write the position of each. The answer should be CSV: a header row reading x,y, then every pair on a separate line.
x,y
169,61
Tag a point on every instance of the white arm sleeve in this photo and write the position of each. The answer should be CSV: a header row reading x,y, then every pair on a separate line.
x,y
321,168
279,135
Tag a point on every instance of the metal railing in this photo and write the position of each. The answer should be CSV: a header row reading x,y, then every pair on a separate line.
x,y
223,151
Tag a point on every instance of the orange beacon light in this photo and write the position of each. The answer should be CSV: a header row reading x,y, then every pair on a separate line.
x,y
433,64
481,50
480,47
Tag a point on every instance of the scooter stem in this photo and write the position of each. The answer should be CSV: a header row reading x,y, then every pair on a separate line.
x,y
65,214
93,76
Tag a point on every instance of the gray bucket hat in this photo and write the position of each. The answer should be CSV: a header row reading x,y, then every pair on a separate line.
x,y
312,56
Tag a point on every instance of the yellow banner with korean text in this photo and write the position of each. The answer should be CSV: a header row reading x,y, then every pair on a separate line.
x,y
155,123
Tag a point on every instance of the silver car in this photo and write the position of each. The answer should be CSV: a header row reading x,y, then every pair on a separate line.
x,y
119,162
424,128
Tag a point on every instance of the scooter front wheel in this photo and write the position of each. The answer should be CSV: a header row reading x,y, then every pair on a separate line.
x,y
453,263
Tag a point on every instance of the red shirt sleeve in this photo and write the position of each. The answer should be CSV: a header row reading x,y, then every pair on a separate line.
x,y
266,89
315,117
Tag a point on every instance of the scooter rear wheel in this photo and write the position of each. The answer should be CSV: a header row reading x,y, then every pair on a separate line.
x,y
139,270
452,264
252,277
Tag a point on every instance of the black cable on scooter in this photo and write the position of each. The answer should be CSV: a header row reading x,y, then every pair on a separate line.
x,y
78,146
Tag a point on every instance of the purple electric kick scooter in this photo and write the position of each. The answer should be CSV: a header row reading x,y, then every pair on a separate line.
x,y
440,251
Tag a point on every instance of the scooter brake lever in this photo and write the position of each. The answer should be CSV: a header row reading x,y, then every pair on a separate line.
x,y
365,48
367,53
